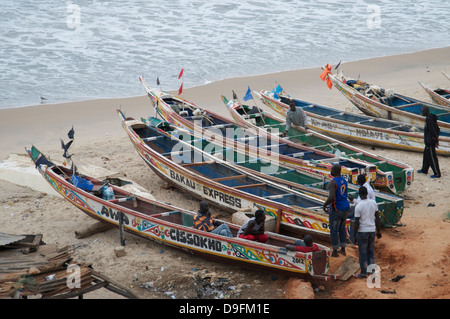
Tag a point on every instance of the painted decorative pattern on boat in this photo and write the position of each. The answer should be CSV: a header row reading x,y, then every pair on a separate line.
x,y
184,238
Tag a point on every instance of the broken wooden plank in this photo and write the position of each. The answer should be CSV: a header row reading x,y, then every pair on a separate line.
x,y
348,268
93,229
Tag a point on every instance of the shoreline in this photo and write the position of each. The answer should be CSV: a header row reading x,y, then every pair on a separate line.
x,y
420,249
30,124
219,80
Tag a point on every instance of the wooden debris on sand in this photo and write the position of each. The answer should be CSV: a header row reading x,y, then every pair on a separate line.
x,y
348,268
31,268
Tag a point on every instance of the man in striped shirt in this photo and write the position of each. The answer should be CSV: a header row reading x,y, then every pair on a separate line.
x,y
204,221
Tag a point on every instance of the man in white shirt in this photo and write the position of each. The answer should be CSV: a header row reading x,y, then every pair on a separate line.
x,y
367,225
361,180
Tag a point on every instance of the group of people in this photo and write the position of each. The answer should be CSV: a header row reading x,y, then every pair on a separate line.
x,y
367,224
364,212
252,229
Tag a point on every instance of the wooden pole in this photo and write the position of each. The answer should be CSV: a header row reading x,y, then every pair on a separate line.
x,y
278,221
121,231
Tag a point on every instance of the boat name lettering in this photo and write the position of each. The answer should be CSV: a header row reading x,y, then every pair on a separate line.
x,y
297,260
371,134
226,198
323,124
195,240
114,214
182,179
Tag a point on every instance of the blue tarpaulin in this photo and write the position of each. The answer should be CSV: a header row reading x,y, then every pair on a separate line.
x,y
82,183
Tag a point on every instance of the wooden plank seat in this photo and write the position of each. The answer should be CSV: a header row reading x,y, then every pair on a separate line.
x,y
227,178
250,186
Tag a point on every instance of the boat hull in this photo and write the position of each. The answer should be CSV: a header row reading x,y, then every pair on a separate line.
x,y
440,99
389,206
235,251
396,177
299,219
294,160
363,134
375,108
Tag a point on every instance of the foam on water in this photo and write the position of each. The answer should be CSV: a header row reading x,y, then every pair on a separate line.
x,y
45,52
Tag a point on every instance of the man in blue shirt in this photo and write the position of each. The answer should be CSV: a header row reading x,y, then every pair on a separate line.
x,y
338,210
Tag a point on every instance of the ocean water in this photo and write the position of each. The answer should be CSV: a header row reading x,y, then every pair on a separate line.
x,y
86,49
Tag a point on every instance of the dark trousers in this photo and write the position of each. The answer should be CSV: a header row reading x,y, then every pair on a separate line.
x,y
366,249
430,160
338,232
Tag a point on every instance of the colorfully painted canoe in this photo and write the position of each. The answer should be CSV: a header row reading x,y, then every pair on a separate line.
x,y
378,102
391,175
389,206
170,225
224,185
439,96
180,112
360,128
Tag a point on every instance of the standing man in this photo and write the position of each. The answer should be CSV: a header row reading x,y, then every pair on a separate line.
x,y
338,210
431,139
367,224
361,180
295,115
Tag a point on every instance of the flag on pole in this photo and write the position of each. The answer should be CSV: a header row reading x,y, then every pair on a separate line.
x,y
181,73
324,76
248,95
180,90
234,95
336,67
278,89
65,147
157,81
71,133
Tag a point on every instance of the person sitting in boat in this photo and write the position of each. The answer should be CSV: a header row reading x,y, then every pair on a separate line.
x,y
253,229
295,115
204,221
304,246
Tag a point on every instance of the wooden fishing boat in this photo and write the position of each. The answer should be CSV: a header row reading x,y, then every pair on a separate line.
x,y
312,184
171,225
439,96
391,175
378,102
351,127
222,184
180,112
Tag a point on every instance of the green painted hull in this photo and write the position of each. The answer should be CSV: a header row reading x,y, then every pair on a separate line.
x,y
390,206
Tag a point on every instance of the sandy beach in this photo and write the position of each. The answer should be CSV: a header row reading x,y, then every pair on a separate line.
x,y
419,250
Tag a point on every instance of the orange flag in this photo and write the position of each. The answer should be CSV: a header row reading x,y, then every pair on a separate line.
x,y
324,76
326,70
